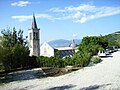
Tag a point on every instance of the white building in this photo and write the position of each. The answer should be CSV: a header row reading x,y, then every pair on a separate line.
x,y
47,50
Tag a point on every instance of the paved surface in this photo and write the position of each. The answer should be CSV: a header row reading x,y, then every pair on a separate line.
x,y
102,76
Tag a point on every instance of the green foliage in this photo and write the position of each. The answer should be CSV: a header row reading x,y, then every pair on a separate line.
x,y
113,39
81,58
14,51
68,61
49,62
96,59
57,54
89,47
93,44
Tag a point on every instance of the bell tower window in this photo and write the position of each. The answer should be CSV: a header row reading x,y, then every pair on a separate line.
x,y
37,36
30,36
34,35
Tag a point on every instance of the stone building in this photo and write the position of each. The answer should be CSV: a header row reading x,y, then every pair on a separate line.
x,y
33,38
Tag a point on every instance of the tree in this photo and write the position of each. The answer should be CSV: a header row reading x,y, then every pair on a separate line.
x,y
93,44
14,49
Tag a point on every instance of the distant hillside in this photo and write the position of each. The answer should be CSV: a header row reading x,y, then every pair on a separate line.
x,y
114,38
62,42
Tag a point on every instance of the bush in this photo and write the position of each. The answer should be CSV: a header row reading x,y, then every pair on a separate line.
x,y
96,59
81,58
49,62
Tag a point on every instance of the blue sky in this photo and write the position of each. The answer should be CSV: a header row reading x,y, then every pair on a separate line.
x,y
62,19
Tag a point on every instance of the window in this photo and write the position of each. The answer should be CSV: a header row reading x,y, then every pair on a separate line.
x,y
45,51
30,36
34,35
37,36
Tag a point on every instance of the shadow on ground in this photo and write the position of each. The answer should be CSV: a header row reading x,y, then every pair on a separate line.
x,y
94,87
106,56
22,75
65,87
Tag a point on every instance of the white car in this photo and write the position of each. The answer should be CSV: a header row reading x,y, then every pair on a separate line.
x,y
102,53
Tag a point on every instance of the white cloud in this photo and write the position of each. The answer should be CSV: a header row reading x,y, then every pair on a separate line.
x,y
84,12
82,7
25,18
21,3
57,10
22,18
79,14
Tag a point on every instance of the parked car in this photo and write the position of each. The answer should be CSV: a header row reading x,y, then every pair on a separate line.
x,y
107,51
102,53
115,48
111,49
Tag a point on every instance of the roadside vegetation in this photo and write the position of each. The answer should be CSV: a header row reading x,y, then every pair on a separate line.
x,y
96,59
14,52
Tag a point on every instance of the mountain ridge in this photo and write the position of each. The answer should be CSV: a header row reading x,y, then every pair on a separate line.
x,y
63,42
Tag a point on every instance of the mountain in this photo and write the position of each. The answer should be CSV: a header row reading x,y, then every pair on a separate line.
x,y
63,42
112,38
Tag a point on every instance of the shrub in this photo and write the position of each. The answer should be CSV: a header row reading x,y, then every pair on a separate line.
x,y
49,62
81,58
96,59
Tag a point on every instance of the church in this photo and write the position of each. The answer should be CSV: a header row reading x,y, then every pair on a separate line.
x,y
45,49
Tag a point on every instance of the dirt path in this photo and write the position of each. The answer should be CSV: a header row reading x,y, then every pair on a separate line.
x,y
105,76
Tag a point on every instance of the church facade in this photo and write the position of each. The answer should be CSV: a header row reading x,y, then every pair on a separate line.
x,y
45,49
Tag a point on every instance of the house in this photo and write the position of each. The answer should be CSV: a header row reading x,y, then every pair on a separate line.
x,y
49,51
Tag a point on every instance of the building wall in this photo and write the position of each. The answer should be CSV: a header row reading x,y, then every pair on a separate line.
x,y
46,50
34,46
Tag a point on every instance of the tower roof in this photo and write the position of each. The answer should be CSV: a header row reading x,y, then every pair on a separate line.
x,y
34,24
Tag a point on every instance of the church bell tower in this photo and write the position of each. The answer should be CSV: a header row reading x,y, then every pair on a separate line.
x,y
34,41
